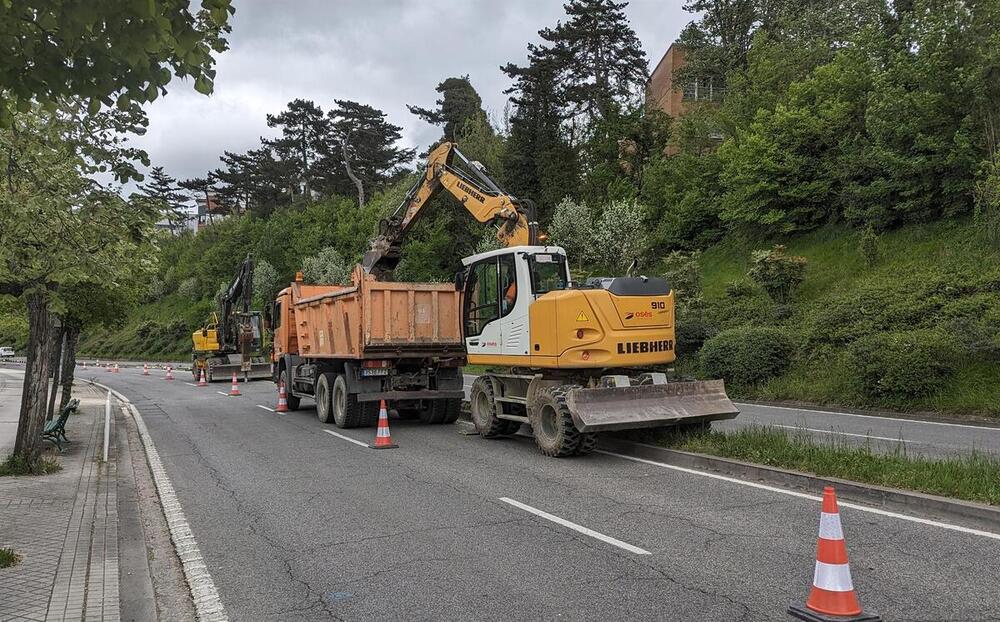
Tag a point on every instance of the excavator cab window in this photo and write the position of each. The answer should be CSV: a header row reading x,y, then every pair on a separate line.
x,y
548,273
482,296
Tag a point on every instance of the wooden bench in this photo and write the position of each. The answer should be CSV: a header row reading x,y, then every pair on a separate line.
x,y
55,430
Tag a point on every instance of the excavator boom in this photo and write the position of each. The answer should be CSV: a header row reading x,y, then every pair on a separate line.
x,y
448,169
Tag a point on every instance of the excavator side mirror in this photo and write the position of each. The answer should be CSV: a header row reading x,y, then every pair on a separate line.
x,y
460,280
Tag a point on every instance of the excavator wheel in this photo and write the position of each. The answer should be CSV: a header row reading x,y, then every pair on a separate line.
x,y
552,424
588,443
484,411
324,397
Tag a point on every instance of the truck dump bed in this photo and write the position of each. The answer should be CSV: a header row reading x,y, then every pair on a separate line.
x,y
377,319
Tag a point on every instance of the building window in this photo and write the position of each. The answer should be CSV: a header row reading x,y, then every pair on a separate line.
x,y
703,90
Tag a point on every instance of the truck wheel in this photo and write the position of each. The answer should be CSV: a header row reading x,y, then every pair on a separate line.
x,y
442,411
484,411
293,402
348,412
552,423
324,398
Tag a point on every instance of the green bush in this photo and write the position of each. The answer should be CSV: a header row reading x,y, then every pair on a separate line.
x,y
739,288
779,274
868,246
747,356
903,364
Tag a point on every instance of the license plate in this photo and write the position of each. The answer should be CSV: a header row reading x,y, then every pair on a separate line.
x,y
374,371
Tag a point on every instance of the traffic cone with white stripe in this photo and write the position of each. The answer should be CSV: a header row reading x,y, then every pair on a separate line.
x,y
116,368
832,597
145,369
282,399
170,373
382,438
201,381
235,390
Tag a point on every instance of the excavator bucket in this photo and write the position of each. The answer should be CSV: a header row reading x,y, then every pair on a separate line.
x,y
649,405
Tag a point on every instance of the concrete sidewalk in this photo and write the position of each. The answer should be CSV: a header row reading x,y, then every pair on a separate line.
x,y
64,525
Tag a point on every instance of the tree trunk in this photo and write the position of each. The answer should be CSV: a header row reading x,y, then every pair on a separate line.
x,y
31,419
57,335
350,173
69,364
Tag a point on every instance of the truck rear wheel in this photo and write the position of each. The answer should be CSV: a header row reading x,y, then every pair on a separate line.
x,y
348,412
552,424
484,411
293,401
442,411
324,397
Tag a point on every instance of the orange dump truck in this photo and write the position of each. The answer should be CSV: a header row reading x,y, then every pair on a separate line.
x,y
349,346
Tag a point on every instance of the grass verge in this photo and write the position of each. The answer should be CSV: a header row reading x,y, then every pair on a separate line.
x,y
973,477
15,465
8,558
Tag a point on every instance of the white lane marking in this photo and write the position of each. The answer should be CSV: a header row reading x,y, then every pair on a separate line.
x,y
223,393
190,384
830,412
881,438
207,604
347,438
802,495
265,408
579,528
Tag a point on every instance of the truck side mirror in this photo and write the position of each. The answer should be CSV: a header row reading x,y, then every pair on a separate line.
x,y
460,280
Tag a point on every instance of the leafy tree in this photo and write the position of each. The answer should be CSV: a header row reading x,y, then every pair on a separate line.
x,y
682,193
620,235
327,266
162,189
362,144
105,52
266,283
459,104
573,228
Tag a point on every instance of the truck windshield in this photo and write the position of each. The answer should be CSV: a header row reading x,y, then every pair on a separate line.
x,y
548,272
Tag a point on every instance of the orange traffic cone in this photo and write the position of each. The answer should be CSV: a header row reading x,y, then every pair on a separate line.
x,y
145,369
282,399
832,597
116,368
235,391
85,364
170,373
201,381
382,438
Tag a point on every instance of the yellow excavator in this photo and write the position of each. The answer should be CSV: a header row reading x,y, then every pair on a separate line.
x,y
569,359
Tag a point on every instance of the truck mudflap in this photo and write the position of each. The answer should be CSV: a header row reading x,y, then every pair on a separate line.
x,y
649,405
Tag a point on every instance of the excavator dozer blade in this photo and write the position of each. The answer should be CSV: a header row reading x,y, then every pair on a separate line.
x,y
649,405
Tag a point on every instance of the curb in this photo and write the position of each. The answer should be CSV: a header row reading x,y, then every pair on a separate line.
x,y
980,515
207,603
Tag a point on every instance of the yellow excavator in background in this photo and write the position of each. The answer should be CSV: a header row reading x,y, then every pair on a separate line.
x,y
569,359
233,341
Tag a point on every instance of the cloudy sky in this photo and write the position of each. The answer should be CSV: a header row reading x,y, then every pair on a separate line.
x,y
386,53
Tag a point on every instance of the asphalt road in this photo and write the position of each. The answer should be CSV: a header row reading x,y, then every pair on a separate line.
x,y
299,524
882,433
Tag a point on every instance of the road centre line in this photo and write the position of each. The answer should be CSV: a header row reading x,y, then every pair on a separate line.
x,y
876,417
265,408
881,438
578,528
802,495
223,393
347,438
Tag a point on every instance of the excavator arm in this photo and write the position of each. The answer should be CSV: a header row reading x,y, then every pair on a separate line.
x,y
448,169
239,292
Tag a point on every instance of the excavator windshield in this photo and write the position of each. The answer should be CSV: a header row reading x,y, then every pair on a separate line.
x,y
548,272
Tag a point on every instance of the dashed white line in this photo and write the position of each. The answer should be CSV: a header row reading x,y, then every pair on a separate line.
x,y
578,528
223,393
265,408
876,417
881,438
347,438
190,384
802,495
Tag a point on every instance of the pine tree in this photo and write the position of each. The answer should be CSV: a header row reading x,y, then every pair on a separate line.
x,y
303,131
201,187
459,104
163,190
360,151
